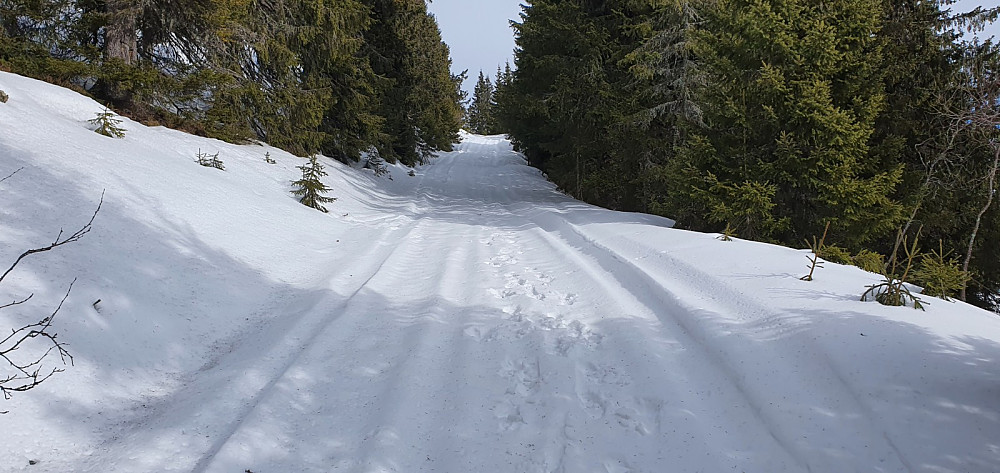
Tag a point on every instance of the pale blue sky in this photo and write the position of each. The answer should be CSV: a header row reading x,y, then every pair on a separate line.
x,y
967,5
479,34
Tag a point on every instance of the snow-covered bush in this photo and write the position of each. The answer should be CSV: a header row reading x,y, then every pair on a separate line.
x,y
209,160
375,162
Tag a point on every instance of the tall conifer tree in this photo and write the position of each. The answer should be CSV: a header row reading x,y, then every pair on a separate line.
x,y
480,115
420,100
795,91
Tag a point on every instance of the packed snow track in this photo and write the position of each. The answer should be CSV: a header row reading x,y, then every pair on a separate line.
x,y
467,318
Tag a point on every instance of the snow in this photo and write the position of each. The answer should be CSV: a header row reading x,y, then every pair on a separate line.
x,y
470,318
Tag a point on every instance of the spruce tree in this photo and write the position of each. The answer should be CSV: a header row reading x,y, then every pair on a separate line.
x,y
420,99
480,115
107,124
304,86
502,96
310,188
569,106
794,92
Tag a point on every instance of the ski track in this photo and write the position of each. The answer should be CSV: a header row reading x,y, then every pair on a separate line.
x,y
559,397
683,295
552,396
482,329
467,317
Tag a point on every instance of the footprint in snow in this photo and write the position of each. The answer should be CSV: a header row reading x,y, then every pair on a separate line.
x,y
564,336
501,260
606,374
594,402
509,416
525,377
502,293
567,299
628,418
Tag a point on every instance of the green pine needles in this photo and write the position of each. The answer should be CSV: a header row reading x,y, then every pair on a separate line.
x,y
209,160
869,260
892,291
727,234
310,188
939,274
817,249
108,124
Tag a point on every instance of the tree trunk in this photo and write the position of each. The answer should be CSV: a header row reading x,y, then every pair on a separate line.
x,y
990,190
121,48
120,39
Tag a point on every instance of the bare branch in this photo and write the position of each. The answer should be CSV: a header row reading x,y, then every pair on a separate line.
x,y
27,374
12,174
59,241
22,373
17,302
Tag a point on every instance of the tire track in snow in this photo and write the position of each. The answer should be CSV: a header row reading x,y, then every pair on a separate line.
x,y
419,357
252,385
412,232
683,293
409,308
642,413
314,331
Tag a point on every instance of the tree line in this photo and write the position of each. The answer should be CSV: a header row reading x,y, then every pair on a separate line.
x,y
480,114
770,119
337,77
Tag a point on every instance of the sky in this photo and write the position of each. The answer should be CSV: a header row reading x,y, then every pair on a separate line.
x,y
479,34
967,5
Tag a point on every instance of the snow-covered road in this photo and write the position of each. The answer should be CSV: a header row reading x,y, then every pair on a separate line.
x,y
469,318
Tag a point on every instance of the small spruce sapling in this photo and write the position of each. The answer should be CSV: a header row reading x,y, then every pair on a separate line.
x,y
817,249
209,160
869,260
108,124
836,254
727,234
892,291
310,188
940,275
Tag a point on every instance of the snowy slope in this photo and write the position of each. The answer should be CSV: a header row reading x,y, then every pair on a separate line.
x,y
467,319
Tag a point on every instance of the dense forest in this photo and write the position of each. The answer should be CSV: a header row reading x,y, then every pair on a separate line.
x,y
771,119
873,122
337,77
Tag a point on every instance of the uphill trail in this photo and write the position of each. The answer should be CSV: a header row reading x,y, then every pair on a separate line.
x,y
495,324
465,316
